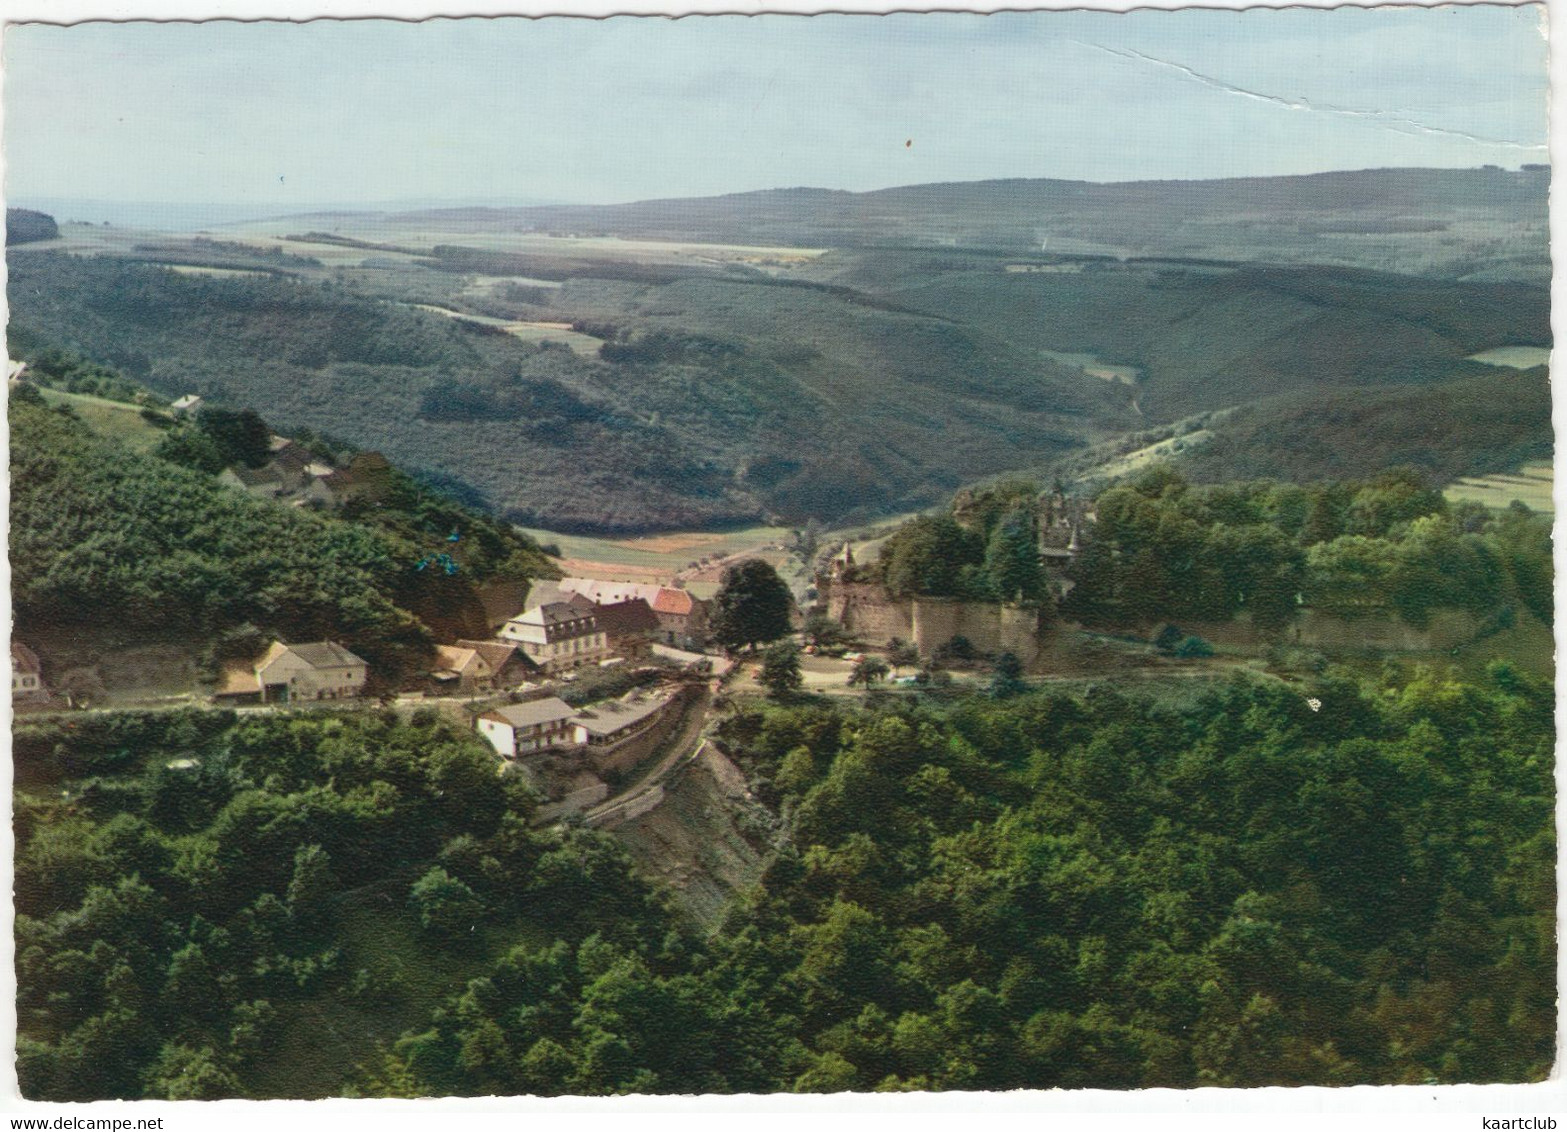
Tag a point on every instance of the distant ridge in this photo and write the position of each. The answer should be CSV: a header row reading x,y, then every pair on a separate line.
x,y
1444,222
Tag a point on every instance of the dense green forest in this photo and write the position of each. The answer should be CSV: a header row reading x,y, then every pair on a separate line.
x,y
172,552
1203,338
1389,546
1491,422
864,381
709,405
1161,548
23,226
1330,883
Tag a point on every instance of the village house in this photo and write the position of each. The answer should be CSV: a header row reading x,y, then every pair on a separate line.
x,y
27,676
630,627
292,462
527,728
186,406
321,670
367,479
460,671
294,474
509,666
682,619
558,636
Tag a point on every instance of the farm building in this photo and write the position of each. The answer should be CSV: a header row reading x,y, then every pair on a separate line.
x,y
265,482
460,671
509,666
321,670
630,627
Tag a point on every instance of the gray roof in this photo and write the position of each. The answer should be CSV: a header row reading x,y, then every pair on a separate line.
x,y
548,710
559,612
324,654
614,715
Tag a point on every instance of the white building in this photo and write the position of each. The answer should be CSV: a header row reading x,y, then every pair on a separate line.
x,y
526,728
558,636
27,680
322,670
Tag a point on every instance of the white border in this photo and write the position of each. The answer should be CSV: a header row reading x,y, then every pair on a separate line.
x,y
1365,1107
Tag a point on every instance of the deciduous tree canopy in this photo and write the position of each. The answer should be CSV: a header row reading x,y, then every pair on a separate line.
x,y
752,607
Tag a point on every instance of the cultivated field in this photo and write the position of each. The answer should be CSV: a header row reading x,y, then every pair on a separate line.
x,y
1530,485
1514,357
481,232
114,419
583,344
655,556
218,272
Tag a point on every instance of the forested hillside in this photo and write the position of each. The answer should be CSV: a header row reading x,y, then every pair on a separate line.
x,y
23,226
1203,337
1329,883
857,382
1494,421
711,400
170,551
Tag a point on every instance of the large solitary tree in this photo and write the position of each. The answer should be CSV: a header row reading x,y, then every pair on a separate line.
x,y
752,606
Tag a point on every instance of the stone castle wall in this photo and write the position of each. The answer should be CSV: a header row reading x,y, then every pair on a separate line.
x,y
868,614
991,628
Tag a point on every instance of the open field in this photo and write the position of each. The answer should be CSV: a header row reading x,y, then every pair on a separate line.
x,y
1514,357
1093,367
659,556
1153,454
218,272
1530,485
486,232
114,419
583,344
487,285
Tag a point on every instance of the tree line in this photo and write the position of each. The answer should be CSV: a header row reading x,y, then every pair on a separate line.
x,y
1161,548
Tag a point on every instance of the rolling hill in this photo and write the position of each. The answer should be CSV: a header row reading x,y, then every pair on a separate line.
x,y
601,380
1456,223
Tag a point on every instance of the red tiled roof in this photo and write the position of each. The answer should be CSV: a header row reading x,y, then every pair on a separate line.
x,y
673,601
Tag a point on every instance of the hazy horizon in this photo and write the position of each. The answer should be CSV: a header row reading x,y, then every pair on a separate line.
x,y
133,213
279,118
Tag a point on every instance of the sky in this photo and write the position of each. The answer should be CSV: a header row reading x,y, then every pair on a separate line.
x,y
594,111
